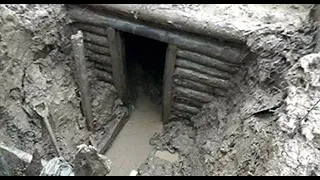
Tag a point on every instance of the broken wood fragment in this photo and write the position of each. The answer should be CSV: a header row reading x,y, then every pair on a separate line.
x,y
80,62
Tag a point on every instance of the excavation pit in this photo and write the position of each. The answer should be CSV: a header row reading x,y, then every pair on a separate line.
x,y
223,112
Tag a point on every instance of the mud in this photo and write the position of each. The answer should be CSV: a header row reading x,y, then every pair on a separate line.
x,y
37,67
131,148
267,127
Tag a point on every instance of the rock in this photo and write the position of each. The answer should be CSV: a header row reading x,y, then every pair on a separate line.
x,y
35,166
89,163
10,163
57,166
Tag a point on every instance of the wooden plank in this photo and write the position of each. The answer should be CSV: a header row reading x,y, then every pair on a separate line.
x,y
80,63
168,81
119,71
181,39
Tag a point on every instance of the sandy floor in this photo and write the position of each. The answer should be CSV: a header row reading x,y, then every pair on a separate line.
x,y
131,148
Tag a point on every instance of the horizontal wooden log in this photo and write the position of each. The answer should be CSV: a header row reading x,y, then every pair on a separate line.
x,y
200,87
103,75
163,16
207,61
202,69
102,59
91,28
185,100
192,94
96,39
103,67
181,39
97,48
185,108
203,78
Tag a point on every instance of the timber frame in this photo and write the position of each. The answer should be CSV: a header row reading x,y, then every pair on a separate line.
x,y
197,68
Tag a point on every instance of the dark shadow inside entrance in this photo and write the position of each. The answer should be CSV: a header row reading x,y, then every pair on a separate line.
x,y
145,61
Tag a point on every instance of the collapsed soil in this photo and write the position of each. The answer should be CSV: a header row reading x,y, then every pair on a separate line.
x,y
267,127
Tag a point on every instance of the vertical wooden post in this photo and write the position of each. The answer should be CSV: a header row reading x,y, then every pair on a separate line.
x,y
117,51
168,81
80,62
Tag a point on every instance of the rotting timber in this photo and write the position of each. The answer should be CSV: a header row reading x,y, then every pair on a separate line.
x,y
198,69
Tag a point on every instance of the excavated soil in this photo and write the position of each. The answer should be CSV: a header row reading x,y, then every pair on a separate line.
x,y
268,126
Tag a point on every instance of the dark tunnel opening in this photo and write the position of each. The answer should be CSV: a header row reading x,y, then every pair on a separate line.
x,y
145,61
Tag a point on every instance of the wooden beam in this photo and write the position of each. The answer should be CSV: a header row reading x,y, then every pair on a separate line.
x,y
118,58
181,39
97,49
168,82
203,69
103,67
203,78
80,63
162,16
197,86
90,28
103,76
102,59
185,100
207,61
185,108
95,39
194,95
